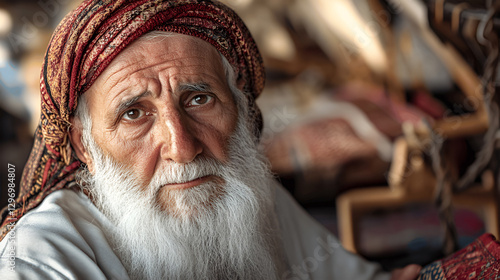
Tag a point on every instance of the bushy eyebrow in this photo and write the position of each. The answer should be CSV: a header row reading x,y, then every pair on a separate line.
x,y
126,103
189,87
203,87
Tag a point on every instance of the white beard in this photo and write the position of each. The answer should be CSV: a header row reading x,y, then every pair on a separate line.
x,y
223,230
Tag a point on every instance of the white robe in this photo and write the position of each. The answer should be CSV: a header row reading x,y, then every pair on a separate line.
x,y
63,239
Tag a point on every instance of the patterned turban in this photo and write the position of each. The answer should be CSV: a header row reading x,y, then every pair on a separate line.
x,y
84,43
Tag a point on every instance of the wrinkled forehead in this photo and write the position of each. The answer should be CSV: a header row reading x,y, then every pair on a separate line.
x,y
159,52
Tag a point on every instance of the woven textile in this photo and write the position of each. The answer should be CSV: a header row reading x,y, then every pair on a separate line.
x,y
84,44
479,260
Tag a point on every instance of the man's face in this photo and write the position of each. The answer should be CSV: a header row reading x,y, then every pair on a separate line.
x,y
176,167
163,100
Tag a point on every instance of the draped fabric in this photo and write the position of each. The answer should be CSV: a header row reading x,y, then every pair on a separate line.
x,y
84,43
478,260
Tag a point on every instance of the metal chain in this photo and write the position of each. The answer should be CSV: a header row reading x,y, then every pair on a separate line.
x,y
487,36
443,193
444,187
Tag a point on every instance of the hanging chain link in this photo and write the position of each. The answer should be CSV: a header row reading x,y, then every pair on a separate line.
x,y
487,36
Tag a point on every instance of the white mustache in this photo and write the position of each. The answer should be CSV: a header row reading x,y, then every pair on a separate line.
x,y
175,173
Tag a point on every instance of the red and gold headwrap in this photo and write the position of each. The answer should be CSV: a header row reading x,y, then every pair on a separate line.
x,y
84,44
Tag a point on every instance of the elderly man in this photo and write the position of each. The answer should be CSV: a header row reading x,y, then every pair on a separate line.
x,y
145,163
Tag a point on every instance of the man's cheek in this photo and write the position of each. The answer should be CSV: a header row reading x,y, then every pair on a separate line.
x,y
140,159
217,142
145,166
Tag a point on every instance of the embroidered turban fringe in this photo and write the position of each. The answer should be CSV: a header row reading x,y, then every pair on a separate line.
x,y
83,45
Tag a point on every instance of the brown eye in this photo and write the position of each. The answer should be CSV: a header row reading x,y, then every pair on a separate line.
x,y
133,114
200,100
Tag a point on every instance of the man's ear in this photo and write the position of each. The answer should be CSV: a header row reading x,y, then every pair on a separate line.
x,y
75,137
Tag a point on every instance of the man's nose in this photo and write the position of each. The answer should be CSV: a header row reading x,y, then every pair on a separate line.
x,y
181,145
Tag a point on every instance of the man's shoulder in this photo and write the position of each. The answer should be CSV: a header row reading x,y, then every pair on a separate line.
x,y
286,205
62,238
62,214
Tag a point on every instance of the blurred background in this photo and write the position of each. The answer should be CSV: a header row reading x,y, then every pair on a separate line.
x,y
346,80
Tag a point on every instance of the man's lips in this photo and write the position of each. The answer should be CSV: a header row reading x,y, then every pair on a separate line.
x,y
189,184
